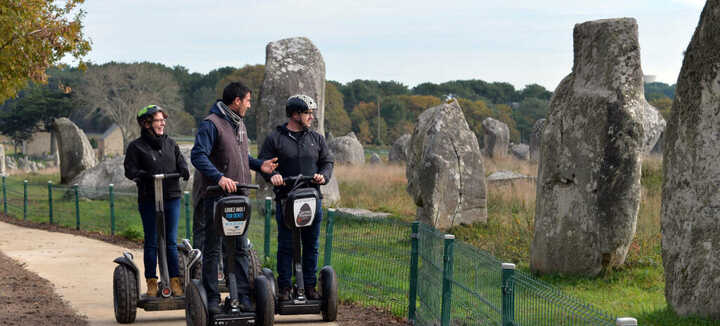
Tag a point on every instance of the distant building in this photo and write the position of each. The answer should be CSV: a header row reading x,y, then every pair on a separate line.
x,y
649,78
110,143
39,144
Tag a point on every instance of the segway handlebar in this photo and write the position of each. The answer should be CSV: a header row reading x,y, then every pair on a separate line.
x,y
217,190
297,178
157,176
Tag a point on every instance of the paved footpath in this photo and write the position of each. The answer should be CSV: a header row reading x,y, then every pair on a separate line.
x,y
81,270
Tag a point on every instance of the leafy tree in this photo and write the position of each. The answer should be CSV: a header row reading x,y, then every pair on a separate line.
x,y
658,90
529,110
121,89
663,105
536,91
34,34
337,120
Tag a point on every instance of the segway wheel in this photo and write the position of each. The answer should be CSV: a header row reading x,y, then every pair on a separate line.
x,y
328,284
125,294
273,282
254,268
264,302
195,312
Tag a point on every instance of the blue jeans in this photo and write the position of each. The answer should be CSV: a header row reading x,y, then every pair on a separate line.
x,y
309,242
211,251
172,214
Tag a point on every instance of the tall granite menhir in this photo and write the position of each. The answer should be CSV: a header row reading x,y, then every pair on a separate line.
x,y
588,186
292,66
690,213
445,171
75,151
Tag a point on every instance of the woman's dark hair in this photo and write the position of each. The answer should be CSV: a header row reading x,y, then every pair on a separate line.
x,y
233,90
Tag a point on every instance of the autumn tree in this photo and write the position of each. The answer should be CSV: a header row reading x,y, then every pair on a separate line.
x,y
337,120
663,105
35,34
252,77
121,89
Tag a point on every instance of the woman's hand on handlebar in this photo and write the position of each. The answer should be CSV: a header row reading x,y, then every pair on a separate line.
x,y
227,184
319,179
277,180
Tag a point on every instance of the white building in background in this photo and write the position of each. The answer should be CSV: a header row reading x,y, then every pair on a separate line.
x,y
649,78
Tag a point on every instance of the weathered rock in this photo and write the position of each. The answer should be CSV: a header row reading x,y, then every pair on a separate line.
x,y
502,176
292,66
347,150
653,126
330,192
10,162
520,151
3,169
76,154
690,197
588,186
445,171
658,149
375,159
361,212
398,152
536,139
497,138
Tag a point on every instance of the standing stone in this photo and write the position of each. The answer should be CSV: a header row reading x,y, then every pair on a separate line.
x,y
497,138
658,149
375,159
445,171
653,125
292,66
536,139
690,213
588,186
520,151
331,192
398,152
76,154
3,169
347,150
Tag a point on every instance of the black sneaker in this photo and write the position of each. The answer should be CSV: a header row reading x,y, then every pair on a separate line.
x,y
284,294
245,304
311,294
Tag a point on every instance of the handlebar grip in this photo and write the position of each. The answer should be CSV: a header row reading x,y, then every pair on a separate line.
x,y
239,186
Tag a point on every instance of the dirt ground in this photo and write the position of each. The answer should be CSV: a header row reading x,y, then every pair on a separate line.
x,y
27,299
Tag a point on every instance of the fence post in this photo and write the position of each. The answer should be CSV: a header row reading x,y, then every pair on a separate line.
x,y
25,199
186,198
4,189
112,209
412,296
77,207
447,279
329,236
626,321
268,213
50,210
508,297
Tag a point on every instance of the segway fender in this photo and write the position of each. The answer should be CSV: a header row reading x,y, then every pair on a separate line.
x,y
127,260
201,290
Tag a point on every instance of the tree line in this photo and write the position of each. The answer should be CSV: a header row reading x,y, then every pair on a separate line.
x,y
378,112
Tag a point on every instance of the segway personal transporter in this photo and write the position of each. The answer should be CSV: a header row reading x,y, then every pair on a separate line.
x,y
298,213
231,214
126,277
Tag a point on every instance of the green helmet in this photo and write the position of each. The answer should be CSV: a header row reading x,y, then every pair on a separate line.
x,y
147,113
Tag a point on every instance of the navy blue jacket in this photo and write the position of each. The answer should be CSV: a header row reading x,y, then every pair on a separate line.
x,y
204,141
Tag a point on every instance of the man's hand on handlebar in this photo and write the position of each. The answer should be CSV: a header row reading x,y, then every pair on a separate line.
x,y
277,180
319,179
227,184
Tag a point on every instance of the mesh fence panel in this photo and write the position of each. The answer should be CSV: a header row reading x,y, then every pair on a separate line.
x,y
476,294
430,275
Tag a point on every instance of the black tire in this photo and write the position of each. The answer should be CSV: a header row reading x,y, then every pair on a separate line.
x,y
329,288
254,268
125,294
264,302
195,312
268,273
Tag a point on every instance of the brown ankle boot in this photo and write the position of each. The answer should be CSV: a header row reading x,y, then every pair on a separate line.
x,y
152,287
177,290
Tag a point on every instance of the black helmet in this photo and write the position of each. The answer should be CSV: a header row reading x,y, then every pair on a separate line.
x,y
299,103
147,112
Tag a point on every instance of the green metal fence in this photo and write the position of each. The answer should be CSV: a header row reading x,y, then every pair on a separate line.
x,y
408,269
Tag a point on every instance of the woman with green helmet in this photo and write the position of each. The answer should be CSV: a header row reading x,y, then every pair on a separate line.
x,y
156,153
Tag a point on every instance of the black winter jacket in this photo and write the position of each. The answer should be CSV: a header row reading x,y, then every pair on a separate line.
x,y
150,154
308,154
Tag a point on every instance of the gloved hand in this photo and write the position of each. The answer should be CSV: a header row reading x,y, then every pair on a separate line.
x,y
185,174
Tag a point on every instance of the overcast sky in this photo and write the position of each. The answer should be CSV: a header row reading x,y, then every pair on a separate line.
x,y
515,41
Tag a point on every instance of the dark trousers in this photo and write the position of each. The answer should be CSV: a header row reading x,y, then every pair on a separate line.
x,y
309,242
210,236
172,215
